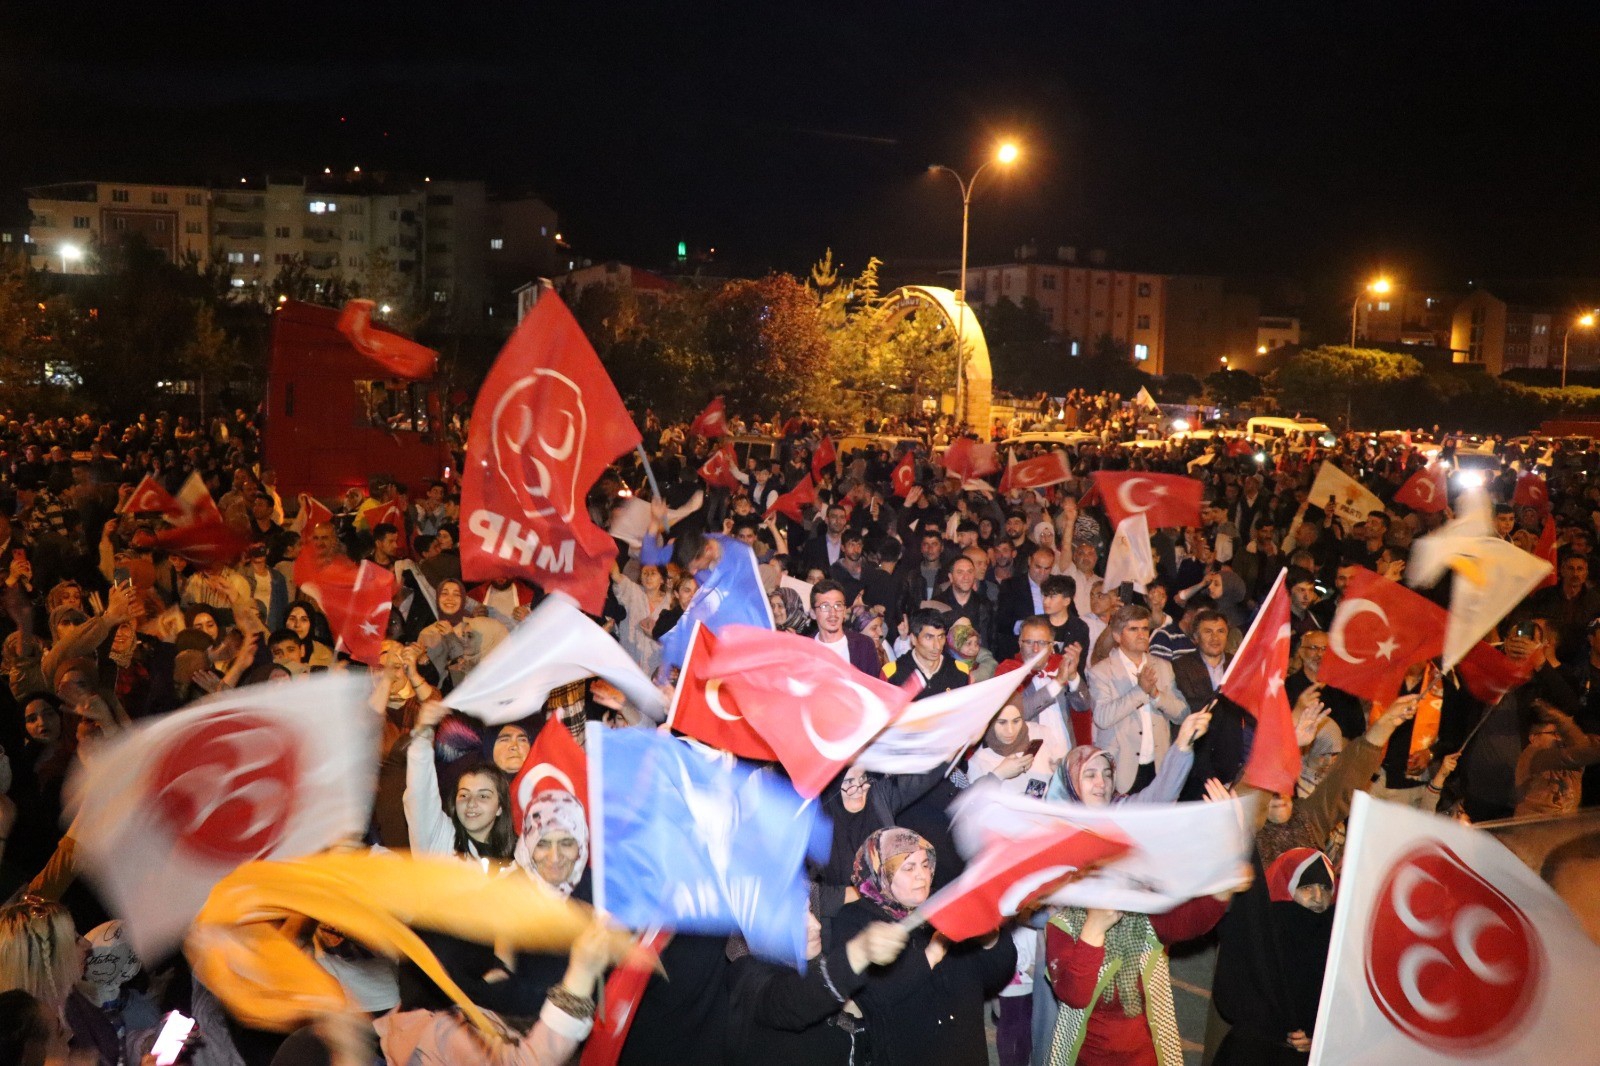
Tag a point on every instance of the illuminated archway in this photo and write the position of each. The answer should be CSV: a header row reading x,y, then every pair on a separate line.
x,y
978,375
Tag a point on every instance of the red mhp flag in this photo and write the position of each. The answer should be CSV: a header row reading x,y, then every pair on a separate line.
x,y
823,458
184,799
357,600
401,357
1163,499
615,1012
1048,469
1546,550
1531,491
791,502
555,761
1426,490
207,544
547,423
1254,681
904,475
1489,674
150,496
702,707
717,471
815,710
1380,628
1006,875
712,422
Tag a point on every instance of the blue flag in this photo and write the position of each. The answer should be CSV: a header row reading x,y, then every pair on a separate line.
x,y
729,593
699,844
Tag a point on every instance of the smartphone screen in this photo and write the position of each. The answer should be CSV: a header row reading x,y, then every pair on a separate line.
x,y
169,1042
1033,747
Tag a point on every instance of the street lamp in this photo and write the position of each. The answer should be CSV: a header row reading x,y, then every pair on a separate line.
x,y
70,253
1005,155
1586,321
1377,287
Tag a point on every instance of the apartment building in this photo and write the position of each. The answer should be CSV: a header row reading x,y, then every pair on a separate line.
x,y
71,219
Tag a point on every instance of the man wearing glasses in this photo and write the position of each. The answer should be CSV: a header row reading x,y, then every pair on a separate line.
x,y
828,604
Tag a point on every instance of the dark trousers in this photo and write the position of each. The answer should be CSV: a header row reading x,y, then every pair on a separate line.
x,y
1141,780
1013,1029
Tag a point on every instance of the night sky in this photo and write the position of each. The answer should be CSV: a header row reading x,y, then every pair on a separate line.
x,y
1317,141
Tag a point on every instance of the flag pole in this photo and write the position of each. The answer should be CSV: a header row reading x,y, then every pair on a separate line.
x,y
913,921
655,488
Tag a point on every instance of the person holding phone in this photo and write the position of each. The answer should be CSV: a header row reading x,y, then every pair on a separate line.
x,y
1019,754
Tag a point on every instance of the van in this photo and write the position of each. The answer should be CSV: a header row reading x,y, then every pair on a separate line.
x,y
1300,433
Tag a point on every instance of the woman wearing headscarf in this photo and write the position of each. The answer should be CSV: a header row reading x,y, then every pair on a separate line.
x,y
554,843
1010,755
965,644
458,641
778,1017
1274,948
925,1008
789,614
871,624
1088,775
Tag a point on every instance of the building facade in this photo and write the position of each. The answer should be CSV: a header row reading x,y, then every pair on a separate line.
x,y
72,219
1403,315
1500,335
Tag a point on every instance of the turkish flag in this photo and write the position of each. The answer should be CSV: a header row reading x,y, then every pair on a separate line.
x,y
1048,469
546,424
205,541
823,458
967,459
555,761
313,513
1254,680
616,1009
717,471
1489,674
1448,948
1426,490
395,515
1546,550
712,422
1163,499
904,475
150,495
790,502
1380,629
703,710
1007,875
1238,446
1532,492
194,502
401,357
357,600
815,710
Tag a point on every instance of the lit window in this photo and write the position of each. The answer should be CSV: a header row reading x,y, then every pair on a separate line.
x,y
238,283
497,243
332,207
255,257
1074,347
236,257
1141,352
5,238
544,231
317,207
1383,305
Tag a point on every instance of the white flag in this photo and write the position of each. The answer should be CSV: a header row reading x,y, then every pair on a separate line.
x,y
1180,850
1144,400
168,809
1491,577
555,645
933,731
1130,558
1447,949
1352,501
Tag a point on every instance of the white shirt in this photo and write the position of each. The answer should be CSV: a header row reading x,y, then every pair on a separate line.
x,y
840,647
1147,724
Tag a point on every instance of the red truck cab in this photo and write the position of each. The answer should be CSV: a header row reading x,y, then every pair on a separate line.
x,y
334,419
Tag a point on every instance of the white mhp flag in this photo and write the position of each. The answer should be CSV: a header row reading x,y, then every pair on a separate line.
x,y
555,645
1447,949
933,731
272,771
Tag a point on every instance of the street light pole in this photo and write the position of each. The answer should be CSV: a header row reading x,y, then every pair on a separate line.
x,y
1006,154
1378,286
1584,320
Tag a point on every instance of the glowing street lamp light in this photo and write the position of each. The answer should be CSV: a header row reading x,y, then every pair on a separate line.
x,y
70,253
1583,321
1005,154
1379,286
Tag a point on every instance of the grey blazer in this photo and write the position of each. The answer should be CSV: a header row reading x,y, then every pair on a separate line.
x,y
1117,698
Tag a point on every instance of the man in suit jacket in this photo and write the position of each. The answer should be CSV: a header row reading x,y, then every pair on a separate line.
x,y
823,548
1220,753
831,610
1021,597
1136,701
963,599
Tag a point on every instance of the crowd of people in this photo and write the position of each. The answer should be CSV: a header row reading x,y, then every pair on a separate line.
x,y
939,586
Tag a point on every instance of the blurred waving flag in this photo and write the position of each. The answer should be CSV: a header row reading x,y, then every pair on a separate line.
x,y
701,709
1379,630
934,731
684,842
730,593
1254,680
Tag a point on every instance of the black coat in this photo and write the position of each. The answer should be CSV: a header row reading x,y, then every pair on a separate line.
x,y
778,1017
916,1016
684,1017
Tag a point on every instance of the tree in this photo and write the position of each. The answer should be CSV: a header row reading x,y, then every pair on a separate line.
x,y
210,356
766,344
1230,388
1337,380
1022,351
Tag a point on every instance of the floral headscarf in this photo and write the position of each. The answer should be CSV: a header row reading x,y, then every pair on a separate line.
x,y
878,860
553,810
959,633
795,615
1064,785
